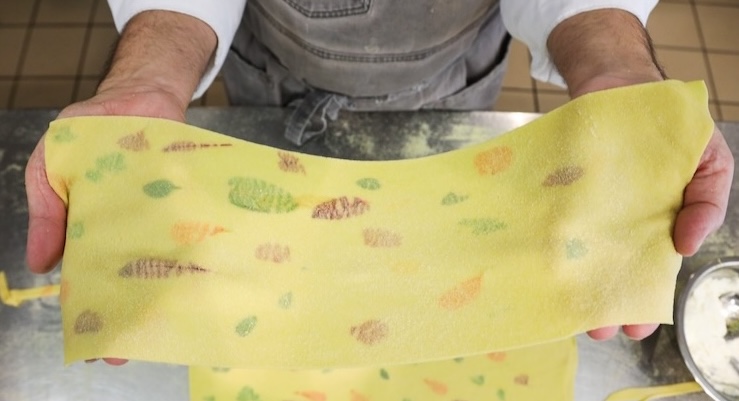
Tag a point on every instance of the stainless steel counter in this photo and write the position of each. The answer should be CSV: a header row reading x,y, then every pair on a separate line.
x,y
30,336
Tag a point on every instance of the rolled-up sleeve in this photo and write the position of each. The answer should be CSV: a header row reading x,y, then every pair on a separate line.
x,y
531,21
222,16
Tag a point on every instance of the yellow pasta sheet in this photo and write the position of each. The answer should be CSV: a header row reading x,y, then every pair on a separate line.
x,y
191,247
543,372
15,297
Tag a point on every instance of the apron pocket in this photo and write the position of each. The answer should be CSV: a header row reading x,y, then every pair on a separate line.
x,y
247,84
481,94
329,8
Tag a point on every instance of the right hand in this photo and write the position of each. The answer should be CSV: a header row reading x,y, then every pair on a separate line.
x,y
47,213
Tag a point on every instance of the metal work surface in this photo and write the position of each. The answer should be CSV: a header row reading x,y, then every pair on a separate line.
x,y
31,365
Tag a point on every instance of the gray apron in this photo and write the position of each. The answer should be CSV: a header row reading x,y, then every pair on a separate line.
x,y
321,56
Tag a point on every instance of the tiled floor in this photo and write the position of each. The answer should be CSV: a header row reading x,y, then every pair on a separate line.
x,y
695,39
52,52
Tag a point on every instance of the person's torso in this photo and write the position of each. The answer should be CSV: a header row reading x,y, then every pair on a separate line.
x,y
367,48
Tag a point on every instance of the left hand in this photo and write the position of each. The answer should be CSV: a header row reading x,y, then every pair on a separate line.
x,y
608,48
703,211
705,198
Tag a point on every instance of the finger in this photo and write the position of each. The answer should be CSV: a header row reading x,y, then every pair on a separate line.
x,y
639,331
694,223
47,216
705,198
603,333
115,361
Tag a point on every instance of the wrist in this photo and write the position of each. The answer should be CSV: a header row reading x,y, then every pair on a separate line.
x,y
602,49
141,85
614,79
161,51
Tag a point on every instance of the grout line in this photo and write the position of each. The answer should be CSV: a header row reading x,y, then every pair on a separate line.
x,y
48,77
552,92
56,24
13,24
534,93
521,88
724,52
680,48
24,53
706,61
697,49
83,53
518,90
717,4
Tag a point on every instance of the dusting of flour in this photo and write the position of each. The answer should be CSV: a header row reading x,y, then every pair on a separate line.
x,y
417,143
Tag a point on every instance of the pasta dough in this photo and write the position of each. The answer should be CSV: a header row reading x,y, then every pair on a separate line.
x,y
190,247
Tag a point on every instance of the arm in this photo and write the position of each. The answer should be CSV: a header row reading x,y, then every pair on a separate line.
x,y
158,62
223,19
165,50
602,49
533,21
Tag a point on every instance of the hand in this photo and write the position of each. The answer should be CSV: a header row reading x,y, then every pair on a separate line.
x,y
158,62
705,199
704,207
641,331
157,65
47,213
608,48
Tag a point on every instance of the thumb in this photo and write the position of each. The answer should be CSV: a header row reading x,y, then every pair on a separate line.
x,y
706,197
47,216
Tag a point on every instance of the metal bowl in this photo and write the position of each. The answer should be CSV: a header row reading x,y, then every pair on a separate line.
x,y
724,266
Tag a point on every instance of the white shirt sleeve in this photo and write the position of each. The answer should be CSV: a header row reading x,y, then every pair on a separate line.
x,y
531,21
222,16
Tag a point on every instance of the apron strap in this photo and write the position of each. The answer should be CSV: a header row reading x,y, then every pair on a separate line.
x,y
309,118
